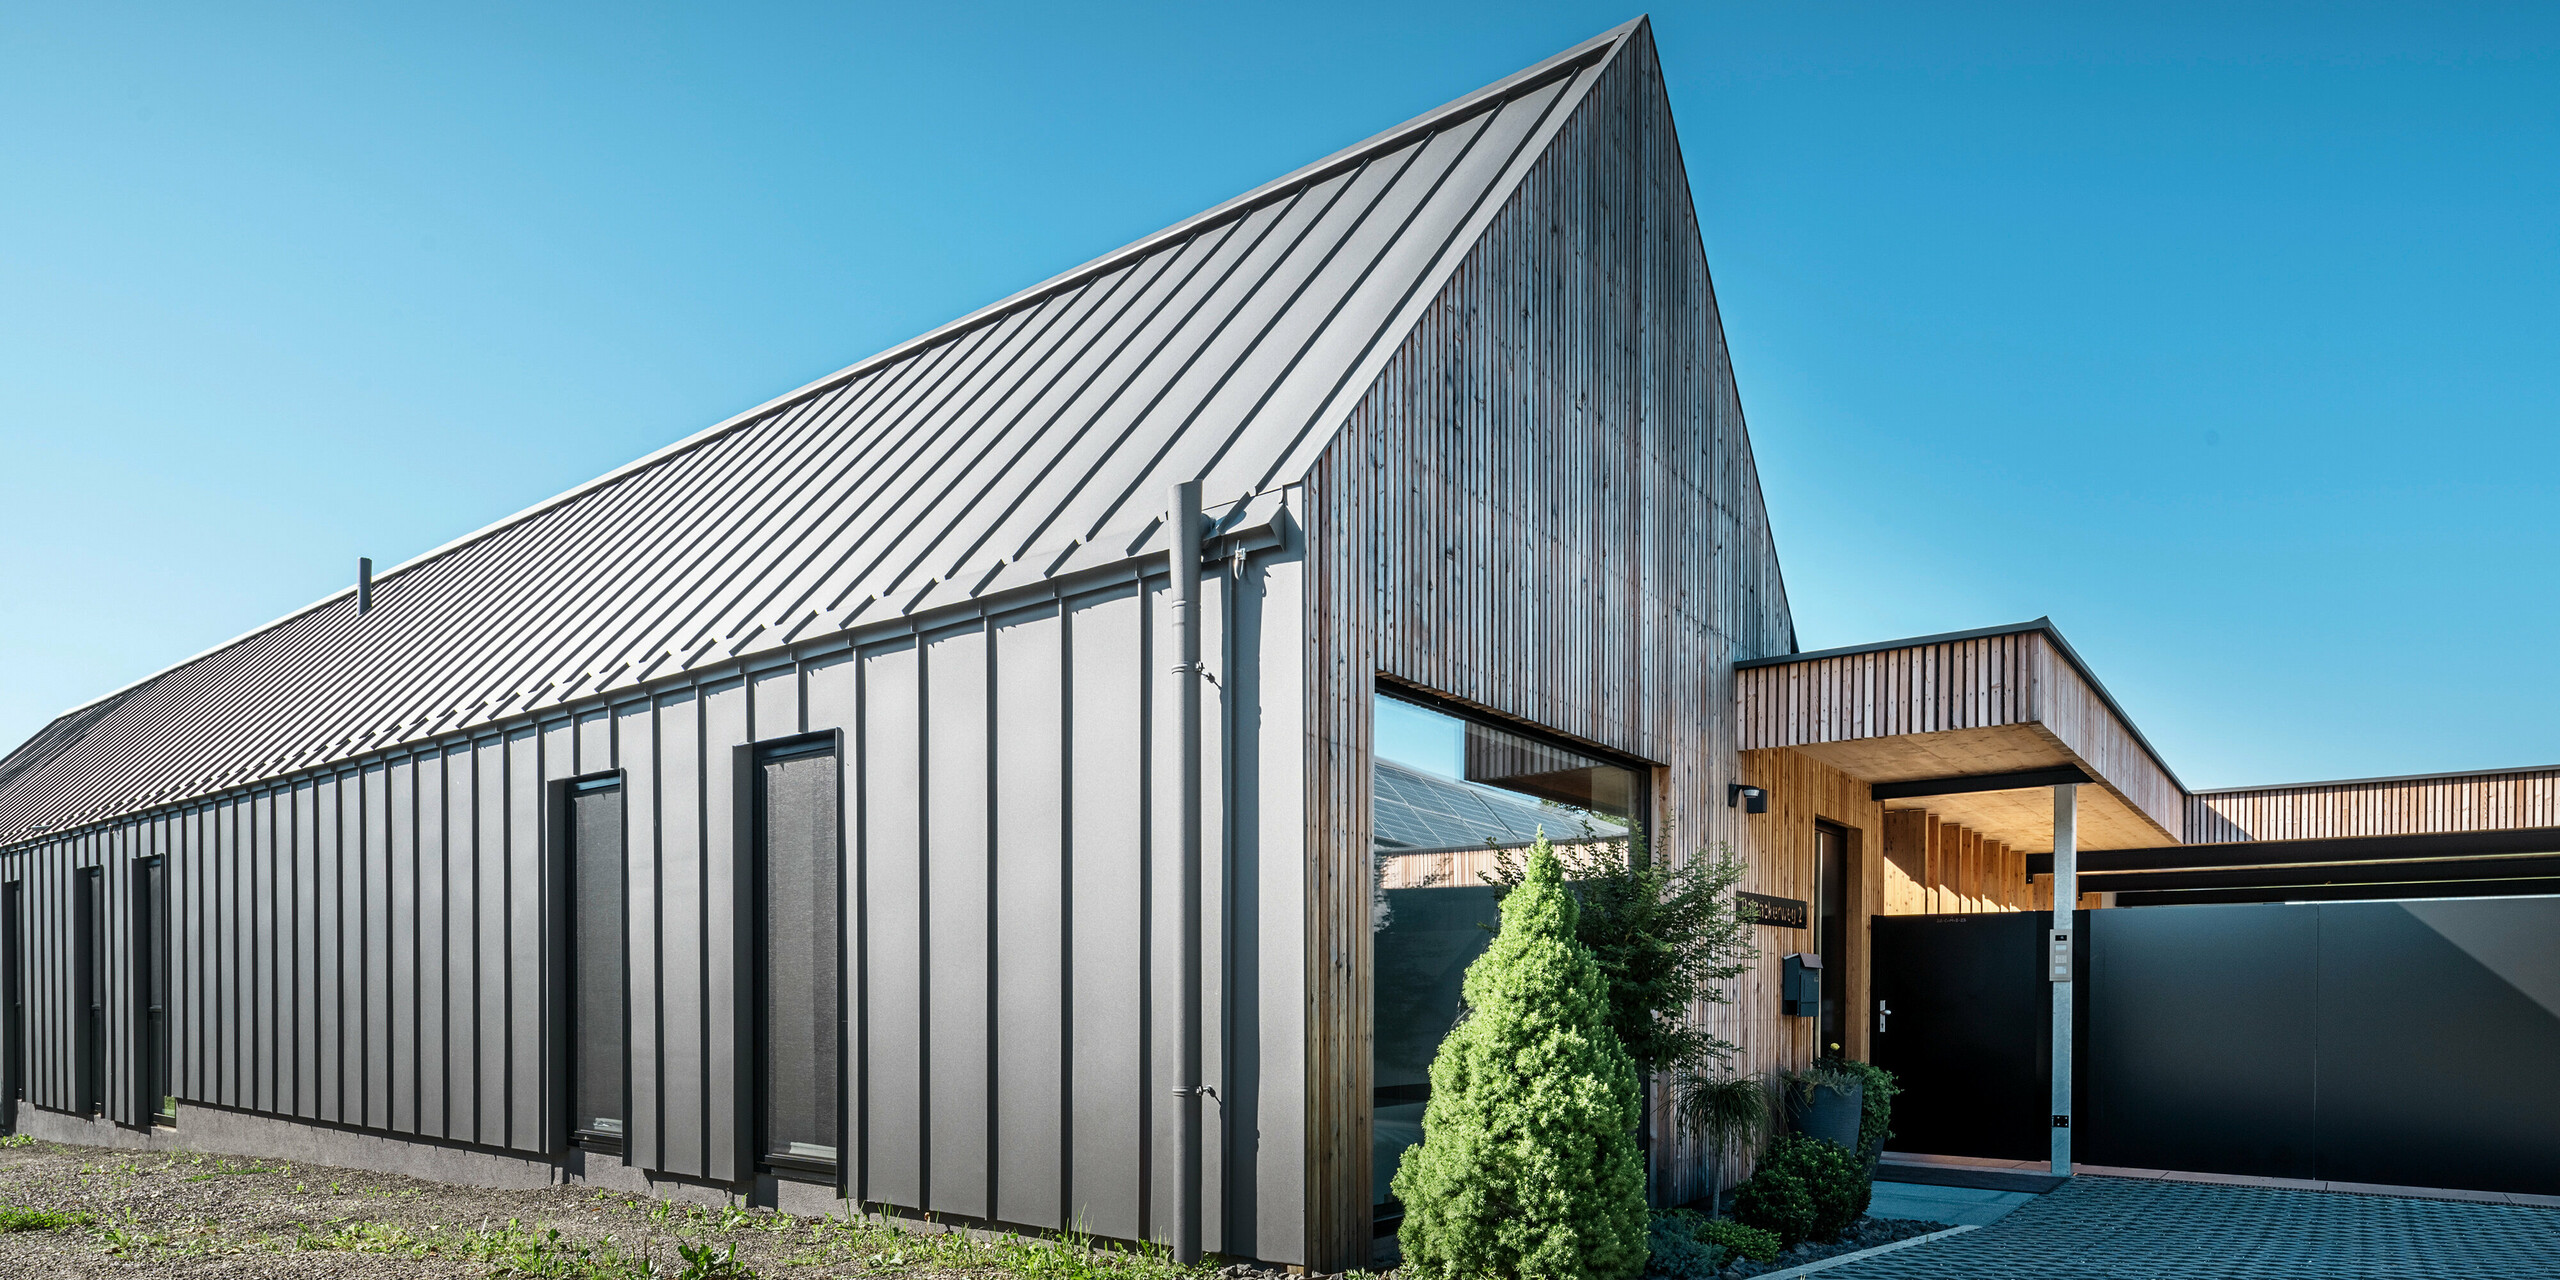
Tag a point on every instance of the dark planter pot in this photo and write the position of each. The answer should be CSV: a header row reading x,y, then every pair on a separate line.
x,y
1832,1115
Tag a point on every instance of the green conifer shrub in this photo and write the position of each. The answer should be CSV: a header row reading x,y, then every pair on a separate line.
x,y
1528,1168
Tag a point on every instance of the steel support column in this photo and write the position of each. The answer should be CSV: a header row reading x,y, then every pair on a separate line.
x,y
2058,944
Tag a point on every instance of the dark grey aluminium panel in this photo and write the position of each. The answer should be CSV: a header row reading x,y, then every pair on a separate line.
x,y
1030,941
376,888
727,1065
2439,1043
1968,1031
679,928
958,891
528,908
891,892
1108,1108
2200,1029
462,948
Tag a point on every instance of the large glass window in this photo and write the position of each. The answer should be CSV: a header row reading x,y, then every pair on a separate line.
x,y
798,956
1449,794
596,949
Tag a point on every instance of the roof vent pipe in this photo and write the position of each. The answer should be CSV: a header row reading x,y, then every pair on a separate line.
x,y
1182,546
364,583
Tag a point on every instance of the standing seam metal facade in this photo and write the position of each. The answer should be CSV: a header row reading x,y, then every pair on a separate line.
x,y
374,946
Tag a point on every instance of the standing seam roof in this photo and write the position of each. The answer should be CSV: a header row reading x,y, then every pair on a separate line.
x,y
1225,349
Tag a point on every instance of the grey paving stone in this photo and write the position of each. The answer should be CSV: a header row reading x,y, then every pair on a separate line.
x,y
2126,1229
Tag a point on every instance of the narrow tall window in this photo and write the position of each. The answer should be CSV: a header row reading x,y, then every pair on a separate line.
x,y
798,951
596,860
13,977
151,990
1831,932
89,995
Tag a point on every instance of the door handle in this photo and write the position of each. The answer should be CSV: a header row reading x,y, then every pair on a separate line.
x,y
1883,1011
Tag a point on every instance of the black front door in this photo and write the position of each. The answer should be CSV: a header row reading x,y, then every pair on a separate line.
x,y
1963,1019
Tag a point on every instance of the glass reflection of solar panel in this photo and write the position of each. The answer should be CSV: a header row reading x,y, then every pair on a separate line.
x,y
1413,810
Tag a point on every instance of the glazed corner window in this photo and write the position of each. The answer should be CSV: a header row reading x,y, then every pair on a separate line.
x,y
798,952
1451,796
596,949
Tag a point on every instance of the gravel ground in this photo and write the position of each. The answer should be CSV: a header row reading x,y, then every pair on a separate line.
x,y
1867,1234
183,1214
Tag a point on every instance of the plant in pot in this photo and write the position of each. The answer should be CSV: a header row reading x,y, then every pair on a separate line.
x,y
1826,1101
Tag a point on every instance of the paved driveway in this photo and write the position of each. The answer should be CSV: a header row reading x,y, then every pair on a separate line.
x,y
2128,1229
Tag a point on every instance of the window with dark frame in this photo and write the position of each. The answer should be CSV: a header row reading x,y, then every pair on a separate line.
x,y
1449,793
90,994
13,976
1831,933
798,951
597,946
151,989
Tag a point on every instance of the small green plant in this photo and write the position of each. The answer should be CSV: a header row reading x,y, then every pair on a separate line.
x,y
1676,1252
1750,1242
18,1140
1834,1181
709,1262
1528,1168
17,1217
1775,1200
1875,1114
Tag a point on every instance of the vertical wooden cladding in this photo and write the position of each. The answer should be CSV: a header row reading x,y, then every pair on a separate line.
x,y
1935,867
2502,800
2073,709
2019,677
1545,507
1803,791
1930,688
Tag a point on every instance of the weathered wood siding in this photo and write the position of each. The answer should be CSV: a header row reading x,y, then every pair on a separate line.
x,y
1931,688
1547,508
1950,686
2492,801
1804,791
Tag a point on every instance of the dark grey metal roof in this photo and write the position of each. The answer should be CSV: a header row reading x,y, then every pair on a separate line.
x,y
1033,437
1419,812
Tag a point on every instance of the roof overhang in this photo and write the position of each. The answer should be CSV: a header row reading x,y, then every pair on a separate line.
x,y
1977,727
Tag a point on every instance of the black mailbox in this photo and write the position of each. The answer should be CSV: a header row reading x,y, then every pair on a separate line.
x,y
1800,992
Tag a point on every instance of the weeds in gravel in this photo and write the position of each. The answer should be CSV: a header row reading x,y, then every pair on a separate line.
x,y
18,1217
18,1140
511,1252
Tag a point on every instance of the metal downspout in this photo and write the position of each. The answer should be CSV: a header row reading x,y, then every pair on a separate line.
x,y
1183,547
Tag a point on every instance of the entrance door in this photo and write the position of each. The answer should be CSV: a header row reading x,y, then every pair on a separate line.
x,y
1964,1021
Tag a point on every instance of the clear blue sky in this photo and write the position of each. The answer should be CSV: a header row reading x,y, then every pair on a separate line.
x,y
2229,336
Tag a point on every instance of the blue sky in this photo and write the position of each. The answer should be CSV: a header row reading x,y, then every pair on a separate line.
x,y
2224,334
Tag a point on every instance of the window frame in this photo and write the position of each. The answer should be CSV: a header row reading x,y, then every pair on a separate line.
x,y
760,1157
564,957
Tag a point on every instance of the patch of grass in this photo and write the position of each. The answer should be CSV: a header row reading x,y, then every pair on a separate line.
x,y
18,1217
18,1140
511,1252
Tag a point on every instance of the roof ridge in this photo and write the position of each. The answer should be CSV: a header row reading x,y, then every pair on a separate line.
x,y
1485,98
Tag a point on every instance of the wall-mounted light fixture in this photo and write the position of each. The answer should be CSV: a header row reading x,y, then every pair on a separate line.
x,y
1752,799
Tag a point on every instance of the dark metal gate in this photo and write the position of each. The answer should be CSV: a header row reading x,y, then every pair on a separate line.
x,y
2402,1043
